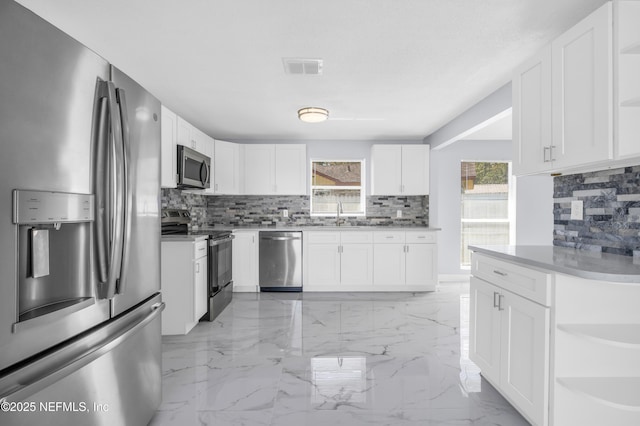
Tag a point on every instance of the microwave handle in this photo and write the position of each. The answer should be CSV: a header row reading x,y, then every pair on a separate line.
x,y
204,166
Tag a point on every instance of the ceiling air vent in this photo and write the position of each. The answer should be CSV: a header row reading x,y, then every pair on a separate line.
x,y
297,66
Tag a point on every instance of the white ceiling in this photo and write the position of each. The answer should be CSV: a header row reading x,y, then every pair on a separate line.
x,y
393,69
500,129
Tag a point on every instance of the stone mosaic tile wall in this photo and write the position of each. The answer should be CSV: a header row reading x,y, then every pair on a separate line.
x,y
239,210
611,202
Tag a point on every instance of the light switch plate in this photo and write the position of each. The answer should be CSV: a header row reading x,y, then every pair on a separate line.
x,y
577,210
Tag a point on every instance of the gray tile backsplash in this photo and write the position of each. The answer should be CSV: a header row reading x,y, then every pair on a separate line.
x,y
245,210
611,203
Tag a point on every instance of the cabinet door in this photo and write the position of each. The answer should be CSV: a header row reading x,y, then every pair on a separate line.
x,y
245,259
386,170
524,355
421,265
356,264
184,133
202,142
201,291
484,329
227,167
168,136
531,89
323,264
389,264
415,169
291,169
582,91
258,168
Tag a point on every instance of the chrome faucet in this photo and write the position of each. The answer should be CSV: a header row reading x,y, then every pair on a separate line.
x,y
339,210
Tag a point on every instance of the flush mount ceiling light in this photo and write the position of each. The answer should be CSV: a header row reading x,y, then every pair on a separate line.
x,y
313,114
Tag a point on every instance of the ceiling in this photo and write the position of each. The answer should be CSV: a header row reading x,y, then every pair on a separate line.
x,y
392,69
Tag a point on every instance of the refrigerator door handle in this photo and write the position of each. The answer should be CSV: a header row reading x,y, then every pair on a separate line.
x,y
44,372
128,192
110,197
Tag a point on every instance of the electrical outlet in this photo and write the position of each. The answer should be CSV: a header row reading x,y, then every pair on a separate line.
x,y
577,210
285,213
399,213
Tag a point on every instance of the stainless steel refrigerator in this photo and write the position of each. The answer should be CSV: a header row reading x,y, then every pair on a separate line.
x,y
80,295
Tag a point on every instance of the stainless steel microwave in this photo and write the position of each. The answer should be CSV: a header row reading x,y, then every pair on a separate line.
x,y
194,169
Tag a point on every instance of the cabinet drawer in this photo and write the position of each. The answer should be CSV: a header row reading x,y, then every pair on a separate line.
x,y
388,237
200,249
322,237
356,237
421,237
530,283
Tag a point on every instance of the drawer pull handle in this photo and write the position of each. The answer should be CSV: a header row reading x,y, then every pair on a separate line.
x,y
502,274
389,236
496,299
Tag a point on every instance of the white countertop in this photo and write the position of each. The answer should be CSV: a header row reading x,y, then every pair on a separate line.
x,y
579,263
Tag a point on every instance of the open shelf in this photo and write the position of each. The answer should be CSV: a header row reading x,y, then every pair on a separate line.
x,y
617,392
632,49
623,335
635,102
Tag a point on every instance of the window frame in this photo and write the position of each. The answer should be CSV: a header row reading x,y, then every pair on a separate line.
x,y
363,188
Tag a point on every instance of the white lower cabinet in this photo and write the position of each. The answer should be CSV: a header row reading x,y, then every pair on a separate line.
x,y
338,260
184,284
405,260
244,258
509,339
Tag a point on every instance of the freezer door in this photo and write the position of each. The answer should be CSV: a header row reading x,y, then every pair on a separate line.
x,y
47,87
111,376
140,276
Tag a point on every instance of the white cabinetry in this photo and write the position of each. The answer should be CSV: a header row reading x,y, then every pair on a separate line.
x,y
400,169
338,259
190,136
275,169
245,261
405,259
627,63
184,284
596,373
168,138
509,332
531,89
581,87
226,159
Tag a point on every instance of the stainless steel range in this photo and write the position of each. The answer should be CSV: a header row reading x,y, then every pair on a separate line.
x,y
219,260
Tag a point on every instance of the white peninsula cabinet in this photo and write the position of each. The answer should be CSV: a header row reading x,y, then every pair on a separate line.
x,y
244,259
400,170
279,169
554,332
184,284
589,74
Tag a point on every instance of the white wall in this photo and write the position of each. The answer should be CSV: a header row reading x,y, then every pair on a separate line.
x,y
534,199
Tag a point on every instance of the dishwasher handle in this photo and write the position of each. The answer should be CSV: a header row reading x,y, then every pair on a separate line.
x,y
279,238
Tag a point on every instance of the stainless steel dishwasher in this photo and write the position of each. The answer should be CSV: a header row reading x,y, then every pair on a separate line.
x,y
280,261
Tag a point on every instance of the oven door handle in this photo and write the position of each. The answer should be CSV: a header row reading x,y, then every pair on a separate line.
x,y
221,241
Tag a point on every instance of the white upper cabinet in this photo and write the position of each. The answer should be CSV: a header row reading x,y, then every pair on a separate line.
x,y
291,169
531,91
275,169
581,87
400,169
168,138
226,167
594,93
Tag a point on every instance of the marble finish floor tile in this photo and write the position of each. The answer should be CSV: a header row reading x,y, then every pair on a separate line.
x,y
331,359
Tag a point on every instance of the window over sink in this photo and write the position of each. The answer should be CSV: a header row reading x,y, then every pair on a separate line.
x,y
337,183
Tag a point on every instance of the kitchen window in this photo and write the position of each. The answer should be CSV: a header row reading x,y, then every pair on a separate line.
x,y
486,206
334,182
